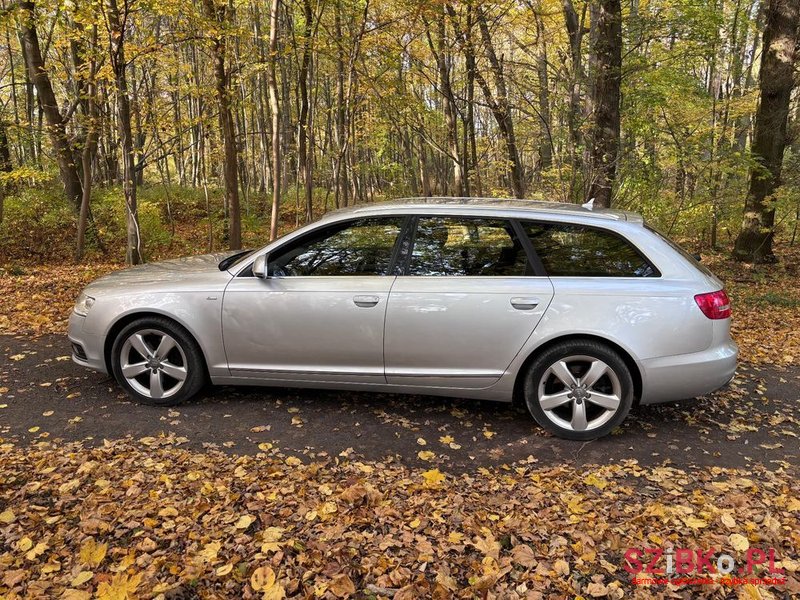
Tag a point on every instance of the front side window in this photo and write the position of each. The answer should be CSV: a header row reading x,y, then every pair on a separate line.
x,y
356,248
461,246
576,251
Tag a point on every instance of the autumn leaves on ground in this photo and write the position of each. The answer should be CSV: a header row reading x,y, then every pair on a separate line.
x,y
148,519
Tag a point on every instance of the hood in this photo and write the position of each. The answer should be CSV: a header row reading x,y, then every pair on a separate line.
x,y
168,271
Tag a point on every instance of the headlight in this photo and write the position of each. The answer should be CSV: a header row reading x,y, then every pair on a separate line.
x,y
83,304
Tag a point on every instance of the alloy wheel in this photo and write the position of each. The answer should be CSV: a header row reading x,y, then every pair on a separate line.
x,y
579,393
153,363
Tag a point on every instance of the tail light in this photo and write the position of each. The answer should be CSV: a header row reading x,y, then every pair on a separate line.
x,y
715,305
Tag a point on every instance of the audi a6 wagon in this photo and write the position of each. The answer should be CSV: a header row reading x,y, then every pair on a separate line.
x,y
577,312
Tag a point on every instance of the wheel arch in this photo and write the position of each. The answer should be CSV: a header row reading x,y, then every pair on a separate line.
x,y
124,320
626,356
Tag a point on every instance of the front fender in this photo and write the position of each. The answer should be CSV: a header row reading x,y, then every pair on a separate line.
x,y
198,312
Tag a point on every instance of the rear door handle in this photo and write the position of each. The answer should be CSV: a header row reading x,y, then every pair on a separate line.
x,y
366,301
523,303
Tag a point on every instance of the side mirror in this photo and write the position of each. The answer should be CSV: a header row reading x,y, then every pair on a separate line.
x,y
261,267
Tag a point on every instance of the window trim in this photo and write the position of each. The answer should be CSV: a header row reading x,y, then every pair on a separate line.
x,y
409,231
527,246
339,226
656,271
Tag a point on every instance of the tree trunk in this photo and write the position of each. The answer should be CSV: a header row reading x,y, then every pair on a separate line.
x,y
305,122
744,122
134,253
88,153
64,152
546,138
575,31
754,243
439,49
501,108
441,52
5,163
233,227
603,151
471,146
339,174
276,117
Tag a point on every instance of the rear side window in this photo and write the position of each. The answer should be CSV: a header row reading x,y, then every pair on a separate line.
x,y
568,250
464,246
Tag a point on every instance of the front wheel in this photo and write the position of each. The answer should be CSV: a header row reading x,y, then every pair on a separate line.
x,y
579,390
157,362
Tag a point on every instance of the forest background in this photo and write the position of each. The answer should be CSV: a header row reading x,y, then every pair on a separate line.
x,y
135,129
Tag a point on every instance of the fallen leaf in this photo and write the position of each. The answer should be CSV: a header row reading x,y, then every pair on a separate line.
x,y
522,555
342,586
561,567
433,478
81,578
739,542
244,522
7,516
92,553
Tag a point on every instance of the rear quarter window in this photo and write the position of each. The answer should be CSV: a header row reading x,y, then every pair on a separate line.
x,y
569,250
691,259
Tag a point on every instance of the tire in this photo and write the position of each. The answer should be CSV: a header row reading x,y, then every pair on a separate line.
x,y
158,362
600,400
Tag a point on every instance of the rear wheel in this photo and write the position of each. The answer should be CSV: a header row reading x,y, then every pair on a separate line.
x,y
579,390
158,362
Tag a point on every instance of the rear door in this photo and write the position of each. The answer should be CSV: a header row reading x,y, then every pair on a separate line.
x,y
465,303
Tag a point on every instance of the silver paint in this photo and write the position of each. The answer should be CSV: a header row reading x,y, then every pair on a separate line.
x,y
461,336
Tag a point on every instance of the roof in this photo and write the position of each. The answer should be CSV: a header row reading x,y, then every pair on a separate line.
x,y
509,204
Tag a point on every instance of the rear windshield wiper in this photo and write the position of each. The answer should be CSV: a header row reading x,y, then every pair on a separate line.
x,y
227,262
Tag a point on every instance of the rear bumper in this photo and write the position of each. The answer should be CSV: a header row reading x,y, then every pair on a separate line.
x,y
685,376
87,349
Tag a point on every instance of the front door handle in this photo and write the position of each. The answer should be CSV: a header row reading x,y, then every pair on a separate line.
x,y
366,301
522,303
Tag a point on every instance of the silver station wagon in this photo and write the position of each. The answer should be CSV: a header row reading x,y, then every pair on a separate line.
x,y
578,313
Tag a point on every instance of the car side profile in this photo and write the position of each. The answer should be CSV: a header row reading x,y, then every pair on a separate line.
x,y
577,312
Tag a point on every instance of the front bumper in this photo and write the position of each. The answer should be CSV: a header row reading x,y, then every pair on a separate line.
x,y
87,349
683,376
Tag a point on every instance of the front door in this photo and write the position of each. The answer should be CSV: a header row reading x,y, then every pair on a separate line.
x,y
467,303
320,315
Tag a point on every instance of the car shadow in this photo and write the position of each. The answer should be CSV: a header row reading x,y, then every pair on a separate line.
x,y
459,433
